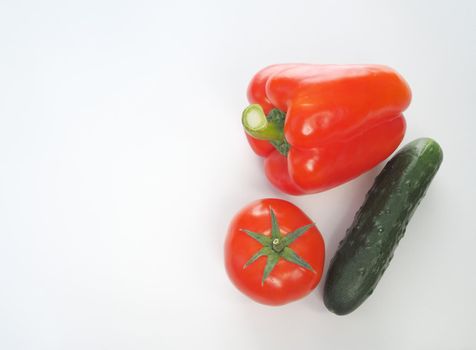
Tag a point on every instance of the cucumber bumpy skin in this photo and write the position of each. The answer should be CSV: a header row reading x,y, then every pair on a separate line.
x,y
378,226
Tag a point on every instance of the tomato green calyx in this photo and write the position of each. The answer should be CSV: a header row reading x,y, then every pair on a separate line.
x,y
269,128
276,247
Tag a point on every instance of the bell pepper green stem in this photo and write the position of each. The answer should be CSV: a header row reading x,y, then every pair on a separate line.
x,y
259,126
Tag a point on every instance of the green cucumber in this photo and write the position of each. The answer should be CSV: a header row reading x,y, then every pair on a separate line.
x,y
378,226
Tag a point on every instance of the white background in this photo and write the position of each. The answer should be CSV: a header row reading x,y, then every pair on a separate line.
x,y
122,160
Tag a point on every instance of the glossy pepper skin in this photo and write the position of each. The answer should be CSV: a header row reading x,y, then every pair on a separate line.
x,y
340,121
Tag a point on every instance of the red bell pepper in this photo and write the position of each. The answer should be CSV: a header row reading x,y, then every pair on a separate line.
x,y
319,126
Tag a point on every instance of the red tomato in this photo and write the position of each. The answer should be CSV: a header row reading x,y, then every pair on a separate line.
x,y
273,252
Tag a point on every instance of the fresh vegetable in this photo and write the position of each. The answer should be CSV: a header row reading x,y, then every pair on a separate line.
x,y
273,252
368,247
319,126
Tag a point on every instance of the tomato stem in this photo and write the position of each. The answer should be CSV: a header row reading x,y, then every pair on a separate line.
x,y
278,245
